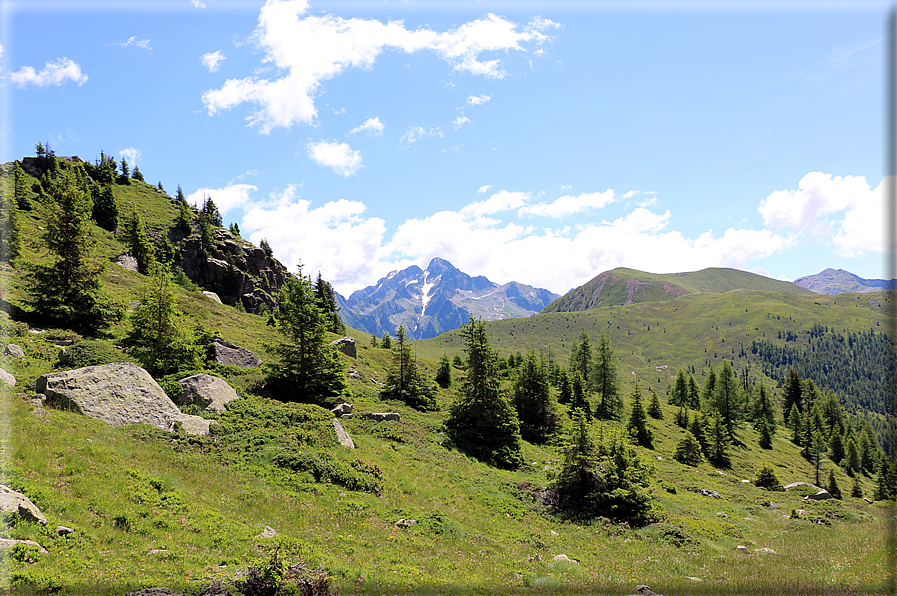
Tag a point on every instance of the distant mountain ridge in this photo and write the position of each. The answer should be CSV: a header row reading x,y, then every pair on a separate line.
x,y
621,287
435,300
839,281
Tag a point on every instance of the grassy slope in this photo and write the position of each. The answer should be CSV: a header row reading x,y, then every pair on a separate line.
x,y
479,528
622,286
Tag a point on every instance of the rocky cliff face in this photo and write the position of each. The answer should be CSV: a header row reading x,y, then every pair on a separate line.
x,y
435,300
234,269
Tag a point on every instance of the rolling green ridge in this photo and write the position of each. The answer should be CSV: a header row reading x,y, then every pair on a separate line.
x,y
621,286
151,508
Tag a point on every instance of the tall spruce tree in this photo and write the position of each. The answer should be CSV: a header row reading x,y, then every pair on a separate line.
x,y
139,244
326,298
578,398
605,383
482,422
309,369
791,393
718,441
533,400
694,394
654,409
404,379
638,422
105,208
727,398
443,371
581,356
67,291
679,392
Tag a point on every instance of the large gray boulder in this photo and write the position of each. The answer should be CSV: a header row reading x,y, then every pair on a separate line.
x,y
206,391
382,416
192,425
9,543
118,394
14,350
15,502
7,378
232,354
346,345
344,439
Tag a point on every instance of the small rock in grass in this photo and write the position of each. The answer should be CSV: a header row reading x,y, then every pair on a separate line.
x,y
644,590
742,549
404,523
765,551
64,530
693,579
563,559
268,532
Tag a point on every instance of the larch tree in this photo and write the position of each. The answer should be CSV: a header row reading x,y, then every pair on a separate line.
x,y
638,422
533,400
404,379
605,383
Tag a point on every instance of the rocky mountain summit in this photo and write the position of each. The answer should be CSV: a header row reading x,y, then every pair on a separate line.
x,y
838,281
435,300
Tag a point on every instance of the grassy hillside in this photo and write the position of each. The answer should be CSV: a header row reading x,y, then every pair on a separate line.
x,y
621,286
151,508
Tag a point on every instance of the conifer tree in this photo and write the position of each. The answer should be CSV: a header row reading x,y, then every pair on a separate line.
x,y
679,391
694,395
309,366
533,400
581,356
67,292
604,381
718,441
267,248
404,380
386,342
654,410
565,391
105,207
791,394
443,372
709,389
184,222
854,463
764,413
765,431
482,422
857,489
139,244
21,191
159,339
795,422
578,399
688,450
681,418
374,341
125,172
832,487
727,398
766,478
638,421
836,445
210,209
10,243
326,298
700,427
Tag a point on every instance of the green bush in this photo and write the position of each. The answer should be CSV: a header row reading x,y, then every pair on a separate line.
x,y
94,352
356,475
766,478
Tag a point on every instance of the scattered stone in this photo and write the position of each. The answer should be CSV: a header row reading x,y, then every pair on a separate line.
x,y
216,588
8,543
154,592
232,354
796,484
157,551
14,350
742,549
721,514
346,345
211,296
821,495
206,391
355,375
743,481
133,303
118,394
534,559
691,578
40,413
773,505
721,473
342,409
749,518
553,533
563,559
868,500
7,378
344,439
268,532
64,530
765,551
644,590
126,261
15,502
382,416
190,424
710,493
404,523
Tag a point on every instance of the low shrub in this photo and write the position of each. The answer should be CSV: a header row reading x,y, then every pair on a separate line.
x,y
93,352
356,475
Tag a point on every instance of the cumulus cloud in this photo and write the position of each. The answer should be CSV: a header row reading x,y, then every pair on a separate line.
x,y
478,100
198,3
132,154
844,210
307,50
460,121
1,50
212,60
337,156
133,41
569,205
371,127
333,238
416,133
53,73
227,198
503,200
484,188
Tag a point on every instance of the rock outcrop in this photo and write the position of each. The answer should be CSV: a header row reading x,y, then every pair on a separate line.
x,y
231,354
15,502
234,269
7,378
206,391
120,393
382,416
346,345
344,439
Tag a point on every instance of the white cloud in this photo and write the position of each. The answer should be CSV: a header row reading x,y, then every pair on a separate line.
x,y
229,197
503,200
416,133
372,127
1,50
569,205
338,156
478,100
484,188
212,60
308,50
137,43
198,3
132,154
53,73
460,121
332,238
846,211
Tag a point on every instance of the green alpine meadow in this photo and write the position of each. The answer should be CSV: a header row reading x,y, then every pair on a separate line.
x,y
182,414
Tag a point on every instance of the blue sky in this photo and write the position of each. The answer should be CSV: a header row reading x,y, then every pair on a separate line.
x,y
530,141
